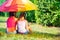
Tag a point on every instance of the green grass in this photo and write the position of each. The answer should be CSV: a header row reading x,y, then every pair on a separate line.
x,y
39,32
3,19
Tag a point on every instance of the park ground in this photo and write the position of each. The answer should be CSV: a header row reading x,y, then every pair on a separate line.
x,y
39,32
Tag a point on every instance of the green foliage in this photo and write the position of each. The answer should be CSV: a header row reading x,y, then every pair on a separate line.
x,y
30,16
1,1
48,13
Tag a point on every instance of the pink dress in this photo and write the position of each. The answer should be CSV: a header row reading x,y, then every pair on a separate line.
x,y
11,24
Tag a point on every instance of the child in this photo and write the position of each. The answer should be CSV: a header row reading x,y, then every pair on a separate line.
x,y
11,23
22,25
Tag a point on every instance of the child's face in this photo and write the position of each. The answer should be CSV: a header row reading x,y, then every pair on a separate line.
x,y
22,18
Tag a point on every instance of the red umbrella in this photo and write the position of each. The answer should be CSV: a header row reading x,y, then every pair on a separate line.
x,y
17,5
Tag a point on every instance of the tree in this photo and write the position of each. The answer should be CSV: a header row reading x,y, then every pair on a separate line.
x,y
48,13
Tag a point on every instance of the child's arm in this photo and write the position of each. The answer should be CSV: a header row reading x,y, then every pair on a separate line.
x,y
28,27
16,19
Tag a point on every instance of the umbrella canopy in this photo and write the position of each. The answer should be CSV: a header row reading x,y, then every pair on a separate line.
x,y
17,5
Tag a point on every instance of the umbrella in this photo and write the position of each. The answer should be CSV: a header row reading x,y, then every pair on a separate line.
x,y
17,5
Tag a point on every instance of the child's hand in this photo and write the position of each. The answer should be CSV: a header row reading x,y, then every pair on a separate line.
x,y
30,30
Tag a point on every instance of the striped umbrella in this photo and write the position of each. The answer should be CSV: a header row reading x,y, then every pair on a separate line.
x,y
17,5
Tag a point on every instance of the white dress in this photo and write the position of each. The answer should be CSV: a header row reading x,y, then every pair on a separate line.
x,y
21,26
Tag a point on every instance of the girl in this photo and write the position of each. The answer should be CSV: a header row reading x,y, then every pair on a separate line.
x,y
22,25
11,23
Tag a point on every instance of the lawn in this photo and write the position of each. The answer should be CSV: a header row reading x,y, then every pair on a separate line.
x,y
39,32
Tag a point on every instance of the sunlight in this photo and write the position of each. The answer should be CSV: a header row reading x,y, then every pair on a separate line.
x,y
24,1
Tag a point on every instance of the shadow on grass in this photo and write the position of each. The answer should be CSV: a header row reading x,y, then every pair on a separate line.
x,y
3,30
2,21
34,34
47,35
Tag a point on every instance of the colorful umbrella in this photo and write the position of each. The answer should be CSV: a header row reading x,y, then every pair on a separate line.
x,y
17,5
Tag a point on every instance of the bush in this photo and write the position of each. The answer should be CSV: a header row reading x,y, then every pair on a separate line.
x,y
48,13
